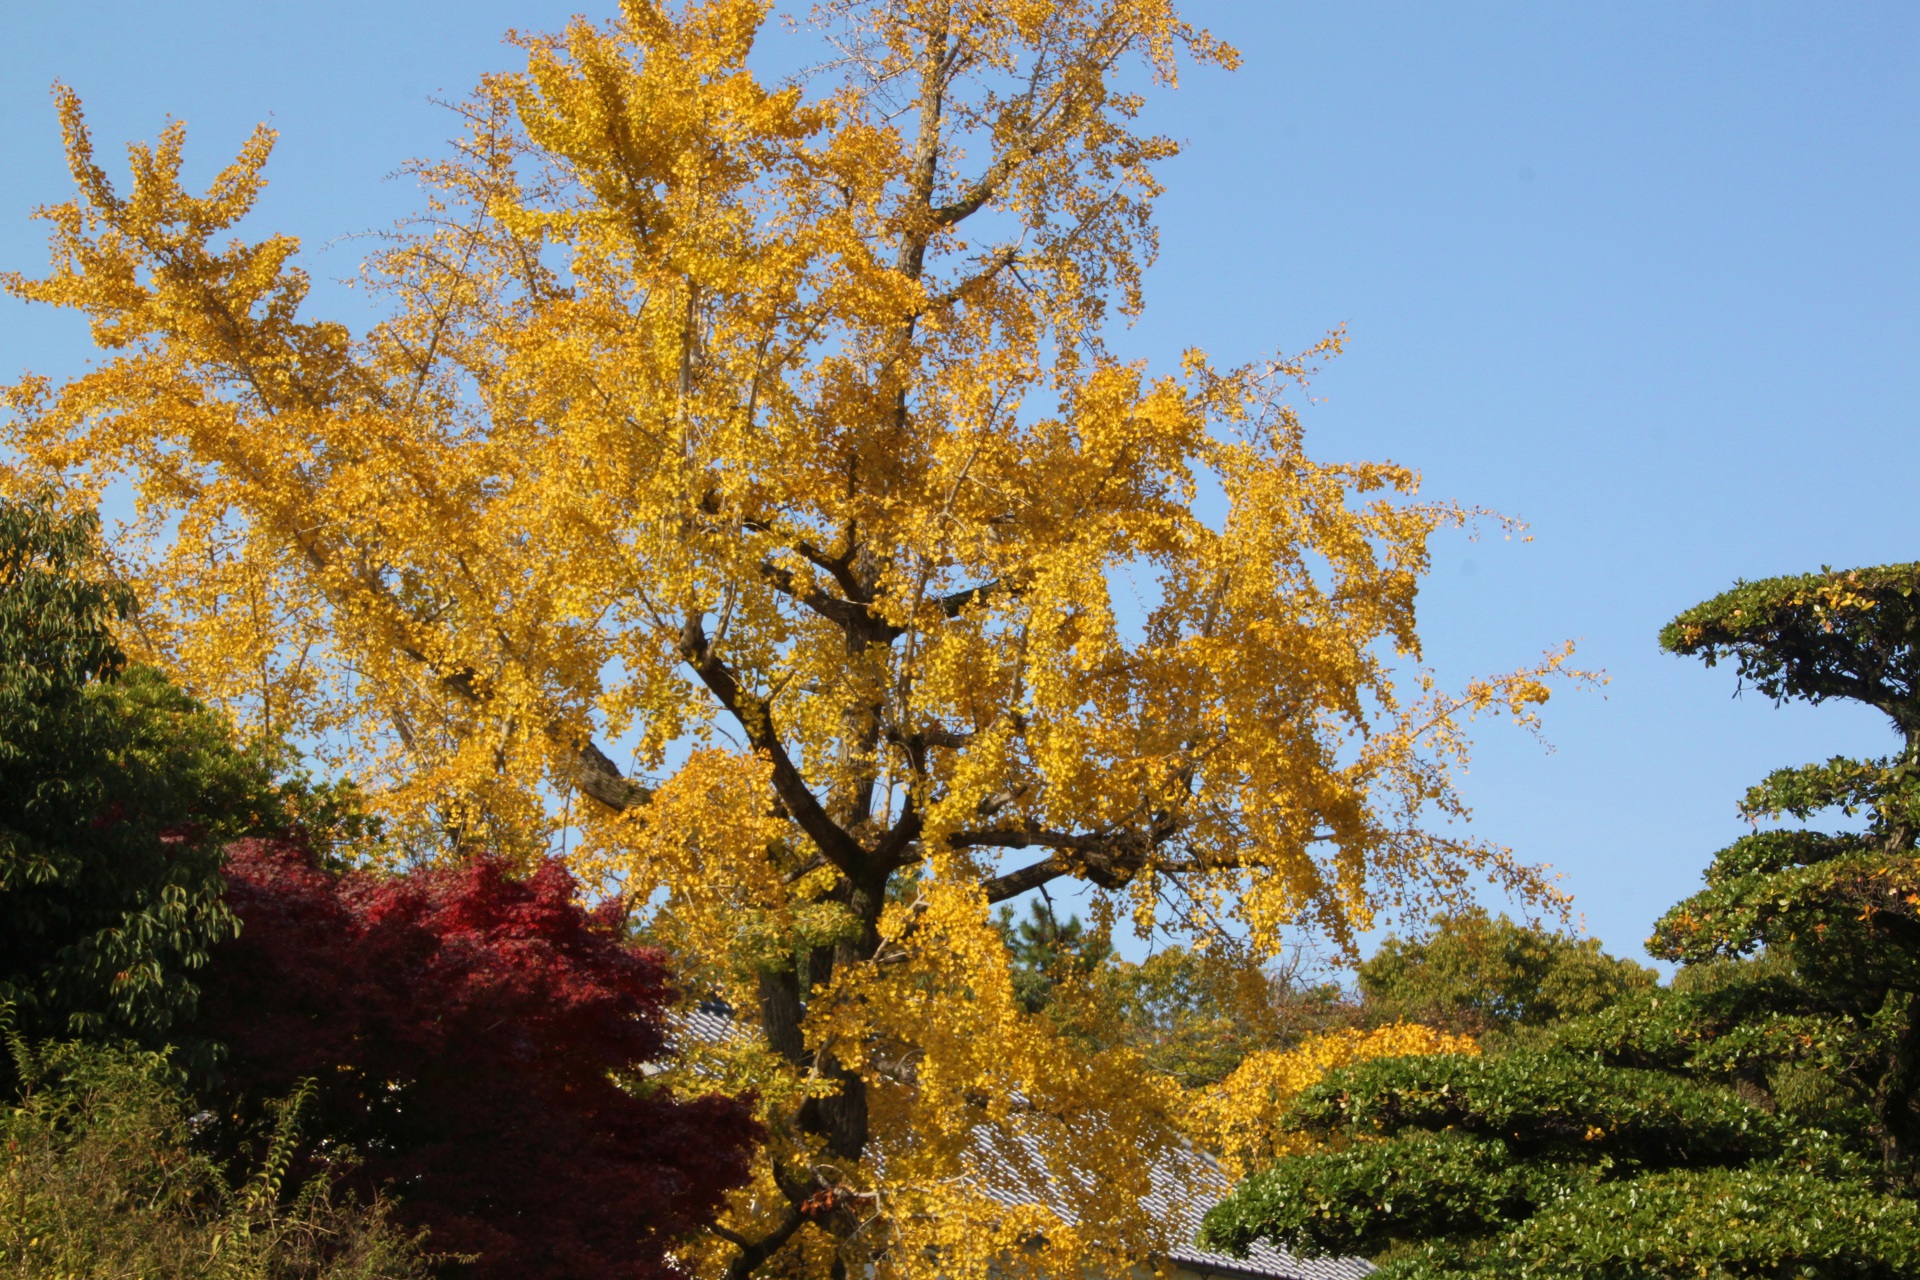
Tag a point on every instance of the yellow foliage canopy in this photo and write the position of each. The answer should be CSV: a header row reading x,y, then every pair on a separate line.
x,y
1238,1119
770,432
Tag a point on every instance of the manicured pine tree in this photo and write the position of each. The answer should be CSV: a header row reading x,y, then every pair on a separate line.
x,y
1758,1117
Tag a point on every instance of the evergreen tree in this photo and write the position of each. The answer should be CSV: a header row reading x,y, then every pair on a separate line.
x,y
1043,949
1839,912
1757,1118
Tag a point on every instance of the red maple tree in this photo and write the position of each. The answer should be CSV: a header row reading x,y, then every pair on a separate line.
x,y
476,1040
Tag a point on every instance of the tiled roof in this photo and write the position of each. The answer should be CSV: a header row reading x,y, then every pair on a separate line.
x,y
1184,1188
1203,1188
709,1022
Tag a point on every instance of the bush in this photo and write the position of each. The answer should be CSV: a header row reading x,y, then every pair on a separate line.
x,y
478,1040
101,1179
1764,1223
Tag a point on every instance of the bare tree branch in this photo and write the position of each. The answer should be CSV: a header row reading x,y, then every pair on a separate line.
x,y
1015,883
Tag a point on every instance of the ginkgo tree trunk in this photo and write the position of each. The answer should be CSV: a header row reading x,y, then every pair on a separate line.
x,y
769,432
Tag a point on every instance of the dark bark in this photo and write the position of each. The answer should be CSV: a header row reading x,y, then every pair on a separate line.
x,y
600,779
754,1253
755,718
1896,1095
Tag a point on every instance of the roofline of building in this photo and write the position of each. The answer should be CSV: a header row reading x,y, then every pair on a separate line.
x,y
1208,1269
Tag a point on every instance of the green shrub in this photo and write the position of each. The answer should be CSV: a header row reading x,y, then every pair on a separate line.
x,y
99,1178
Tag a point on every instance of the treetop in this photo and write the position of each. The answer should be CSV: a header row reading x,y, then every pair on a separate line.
x,y
1834,634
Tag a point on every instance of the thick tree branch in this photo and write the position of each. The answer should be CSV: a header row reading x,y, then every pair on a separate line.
x,y
983,189
843,613
1108,861
855,616
1015,883
952,605
893,846
755,717
598,778
841,567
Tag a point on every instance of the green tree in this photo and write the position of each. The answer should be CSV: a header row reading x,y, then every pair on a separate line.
x,y
1841,911
1758,1117
117,793
1044,950
1193,1014
1474,973
1197,1014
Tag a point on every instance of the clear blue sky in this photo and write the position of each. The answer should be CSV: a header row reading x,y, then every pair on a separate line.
x,y
1645,275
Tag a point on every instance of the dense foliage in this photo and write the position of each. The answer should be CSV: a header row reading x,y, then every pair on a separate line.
x,y
1473,973
1756,1119
100,1177
770,432
478,1044
117,792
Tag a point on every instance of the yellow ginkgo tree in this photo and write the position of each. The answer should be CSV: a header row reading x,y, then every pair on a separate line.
x,y
767,438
